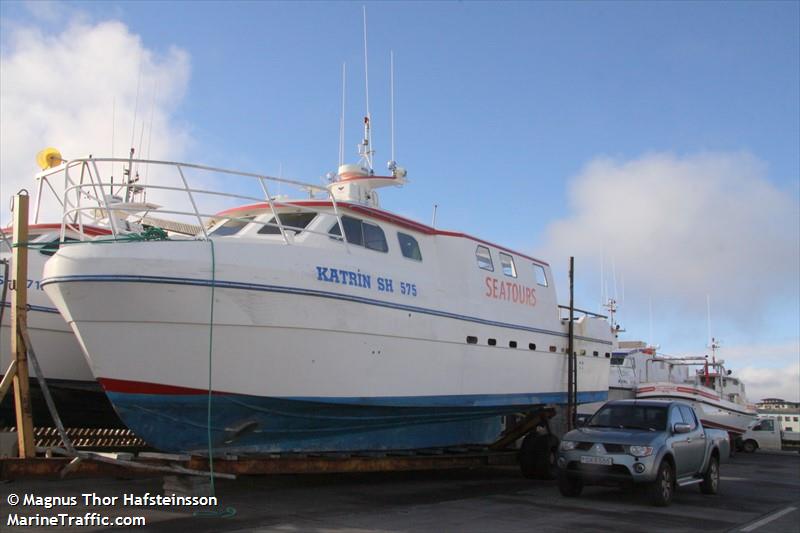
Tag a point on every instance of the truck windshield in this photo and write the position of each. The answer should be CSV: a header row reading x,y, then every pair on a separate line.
x,y
648,417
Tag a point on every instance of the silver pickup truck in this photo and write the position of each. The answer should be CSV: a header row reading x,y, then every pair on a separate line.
x,y
660,444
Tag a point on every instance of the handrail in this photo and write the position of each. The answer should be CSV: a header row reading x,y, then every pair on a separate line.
x,y
87,198
585,312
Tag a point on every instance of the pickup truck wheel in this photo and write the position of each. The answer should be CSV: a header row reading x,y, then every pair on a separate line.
x,y
662,489
710,483
749,446
568,486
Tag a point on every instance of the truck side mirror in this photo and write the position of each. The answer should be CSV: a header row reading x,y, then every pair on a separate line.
x,y
681,427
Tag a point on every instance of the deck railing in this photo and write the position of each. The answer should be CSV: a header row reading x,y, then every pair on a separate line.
x,y
88,198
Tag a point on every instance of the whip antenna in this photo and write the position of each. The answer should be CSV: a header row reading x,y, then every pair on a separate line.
x,y
365,149
341,119
391,96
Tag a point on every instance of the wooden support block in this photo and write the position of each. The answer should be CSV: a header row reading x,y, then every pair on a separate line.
x,y
19,310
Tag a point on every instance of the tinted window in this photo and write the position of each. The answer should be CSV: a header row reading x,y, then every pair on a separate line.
x,y
294,222
631,416
374,239
352,229
484,258
541,278
362,234
231,227
507,262
675,417
409,246
688,415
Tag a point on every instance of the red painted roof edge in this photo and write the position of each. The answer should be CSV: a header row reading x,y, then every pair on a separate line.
x,y
386,217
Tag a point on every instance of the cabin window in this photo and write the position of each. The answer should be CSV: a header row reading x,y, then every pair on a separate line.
x,y
507,263
294,222
374,238
232,226
484,258
409,246
472,340
541,277
512,344
492,342
361,233
531,346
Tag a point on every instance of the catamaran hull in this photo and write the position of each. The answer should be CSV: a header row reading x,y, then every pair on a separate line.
x,y
78,397
291,367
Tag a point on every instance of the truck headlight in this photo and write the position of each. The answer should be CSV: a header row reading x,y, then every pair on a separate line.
x,y
567,445
640,451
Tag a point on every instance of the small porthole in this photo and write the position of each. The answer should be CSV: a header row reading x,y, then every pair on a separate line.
x,y
552,348
608,354
595,353
531,346
472,340
492,342
512,344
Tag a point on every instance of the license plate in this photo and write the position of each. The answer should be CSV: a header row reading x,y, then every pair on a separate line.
x,y
592,460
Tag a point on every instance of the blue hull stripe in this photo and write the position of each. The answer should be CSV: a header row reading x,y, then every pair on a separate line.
x,y
304,292
257,424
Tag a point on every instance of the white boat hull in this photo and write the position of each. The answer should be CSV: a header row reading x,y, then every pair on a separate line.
x,y
713,411
293,364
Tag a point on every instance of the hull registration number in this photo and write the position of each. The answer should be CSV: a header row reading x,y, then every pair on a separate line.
x,y
592,460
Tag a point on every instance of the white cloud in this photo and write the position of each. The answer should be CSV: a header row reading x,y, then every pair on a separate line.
x,y
679,228
63,89
772,382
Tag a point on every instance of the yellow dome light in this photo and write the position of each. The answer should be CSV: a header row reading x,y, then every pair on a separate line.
x,y
48,158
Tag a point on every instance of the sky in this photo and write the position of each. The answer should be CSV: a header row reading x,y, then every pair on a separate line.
x,y
657,142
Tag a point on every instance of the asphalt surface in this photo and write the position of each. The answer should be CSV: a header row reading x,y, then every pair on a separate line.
x,y
758,492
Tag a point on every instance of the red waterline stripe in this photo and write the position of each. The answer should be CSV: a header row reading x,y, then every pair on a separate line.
x,y
140,387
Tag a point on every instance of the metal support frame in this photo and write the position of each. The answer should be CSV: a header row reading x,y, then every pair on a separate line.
x,y
572,364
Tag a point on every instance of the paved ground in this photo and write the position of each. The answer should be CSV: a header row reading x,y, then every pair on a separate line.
x,y
759,492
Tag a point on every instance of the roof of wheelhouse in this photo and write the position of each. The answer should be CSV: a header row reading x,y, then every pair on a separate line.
x,y
378,214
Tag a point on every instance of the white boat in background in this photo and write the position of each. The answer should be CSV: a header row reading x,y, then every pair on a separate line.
x,y
324,323
79,399
717,396
632,363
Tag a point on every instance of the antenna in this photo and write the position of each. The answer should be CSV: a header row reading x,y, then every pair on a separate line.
x,y
113,128
365,148
136,102
708,319
391,99
650,306
433,218
149,141
341,119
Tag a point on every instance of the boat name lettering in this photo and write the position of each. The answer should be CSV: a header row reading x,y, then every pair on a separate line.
x,y
510,291
345,277
359,279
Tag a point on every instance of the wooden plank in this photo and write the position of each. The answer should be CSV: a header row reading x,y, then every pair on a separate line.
x,y
8,379
19,315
